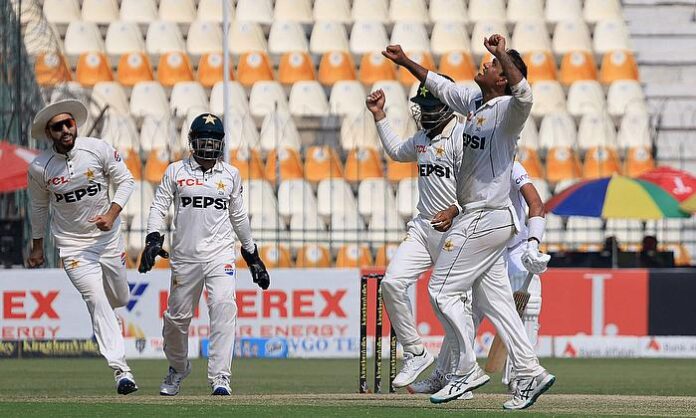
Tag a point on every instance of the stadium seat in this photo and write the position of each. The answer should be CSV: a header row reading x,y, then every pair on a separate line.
x,y
237,96
585,96
81,37
51,68
407,197
296,197
374,67
259,197
402,121
142,12
278,131
203,38
483,29
157,134
562,10
422,58
68,90
408,11
600,162
596,130
449,37
283,164
375,195
111,94
313,256
322,162
307,228
275,255
294,67
384,254
634,130
353,256
367,36
136,235
362,164
359,131
286,37
334,195
386,226
336,66
174,67
561,164
583,230
243,133
625,96
347,98
596,10
123,37
638,161
140,200
100,11
61,12
577,66
531,35
248,162
149,98
245,37
548,97
332,11
529,158
258,11
266,97
524,10
395,95
458,65
571,35
328,36
211,69
397,171
134,68
179,11
610,35
541,66
186,96
213,11
307,99
412,37
618,65
347,226
254,67
626,231
156,164
374,10
448,11
529,137
120,131
163,37
487,10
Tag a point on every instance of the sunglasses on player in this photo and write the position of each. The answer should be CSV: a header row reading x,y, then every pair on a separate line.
x,y
58,126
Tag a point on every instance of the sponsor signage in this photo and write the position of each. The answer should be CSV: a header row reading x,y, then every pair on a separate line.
x,y
153,347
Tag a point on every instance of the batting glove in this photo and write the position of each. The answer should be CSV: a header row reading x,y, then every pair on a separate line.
x,y
533,260
258,271
153,248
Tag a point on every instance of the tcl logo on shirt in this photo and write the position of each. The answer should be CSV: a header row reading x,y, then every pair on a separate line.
x,y
190,182
474,142
77,195
58,180
421,149
203,202
425,170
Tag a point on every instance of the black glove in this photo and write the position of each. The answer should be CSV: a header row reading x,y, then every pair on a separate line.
x,y
153,248
259,274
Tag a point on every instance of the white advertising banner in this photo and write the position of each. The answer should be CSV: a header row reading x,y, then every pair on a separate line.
x,y
597,346
668,347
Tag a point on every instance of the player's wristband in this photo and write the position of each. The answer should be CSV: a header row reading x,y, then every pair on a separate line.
x,y
459,208
536,226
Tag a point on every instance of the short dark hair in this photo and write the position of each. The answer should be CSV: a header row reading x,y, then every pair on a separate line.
x,y
519,63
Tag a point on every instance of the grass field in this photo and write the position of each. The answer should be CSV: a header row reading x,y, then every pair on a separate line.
x,y
327,388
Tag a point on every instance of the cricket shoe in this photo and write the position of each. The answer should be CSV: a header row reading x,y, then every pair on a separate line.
x,y
221,386
528,389
171,384
432,384
125,383
413,366
458,385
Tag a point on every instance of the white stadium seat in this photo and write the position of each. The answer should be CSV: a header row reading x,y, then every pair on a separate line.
x,y
408,11
335,196
610,35
286,36
560,10
557,129
123,37
394,94
375,195
268,227
367,36
293,10
448,11
347,226
484,29
596,130
359,131
407,197
246,37
212,11
625,230
529,137
307,227
449,37
625,96
412,36
333,11
163,37
582,230
266,97
585,97
372,10
296,197
239,103
278,130
149,98
120,131
243,133
531,35
203,37
157,134
111,94
259,197
259,11
523,10
597,10
139,11
386,226
402,121
328,36
186,96
100,11
81,37
61,12
140,200
571,35
307,98
634,130
347,97
487,10
548,97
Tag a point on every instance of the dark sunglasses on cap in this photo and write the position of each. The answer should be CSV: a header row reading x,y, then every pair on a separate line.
x,y
58,126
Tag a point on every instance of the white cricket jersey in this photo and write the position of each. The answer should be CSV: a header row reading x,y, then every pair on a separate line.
x,y
490,138
74,187
438,161
519,178
207,207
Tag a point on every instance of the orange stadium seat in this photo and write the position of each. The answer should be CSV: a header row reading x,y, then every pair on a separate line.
x,y
422,58
133,163
530,160
638,161
352,255
562,164
336,66
93,67
363,164
577,66
374,67
459,65
51,68
540,65
156,164
210,69
294,67
397,171
174,67
290,165
313,256
322,162
275,256
248,162
254,66
134,68
600,162
618,65
385,254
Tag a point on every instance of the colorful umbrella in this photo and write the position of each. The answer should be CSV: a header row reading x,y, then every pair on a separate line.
x,y
15,162
616,197
678,183
689,204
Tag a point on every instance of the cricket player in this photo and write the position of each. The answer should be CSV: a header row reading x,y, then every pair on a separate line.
x,y
70,181
208,211
472,252
438,152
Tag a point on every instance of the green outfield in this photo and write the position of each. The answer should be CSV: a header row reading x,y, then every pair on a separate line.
x,y
275,388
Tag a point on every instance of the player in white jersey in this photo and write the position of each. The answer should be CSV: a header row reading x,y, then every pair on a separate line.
x,y
208,211
472,253
70,181
439,154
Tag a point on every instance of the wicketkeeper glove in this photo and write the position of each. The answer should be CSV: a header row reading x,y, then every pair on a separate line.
x,y
259,274
533,260
153,248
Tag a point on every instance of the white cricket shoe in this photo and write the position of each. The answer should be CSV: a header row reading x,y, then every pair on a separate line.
x,y
528,389
432,384
221,385
125,382
458,385
171,384
413,366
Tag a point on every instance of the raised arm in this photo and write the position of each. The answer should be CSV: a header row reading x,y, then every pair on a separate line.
x,y
394,146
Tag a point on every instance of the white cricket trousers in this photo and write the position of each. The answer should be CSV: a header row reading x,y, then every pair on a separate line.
x,y
415,255
185,290
472,259
101,280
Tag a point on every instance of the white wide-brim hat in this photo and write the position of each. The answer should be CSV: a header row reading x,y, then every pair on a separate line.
x,y
72,106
